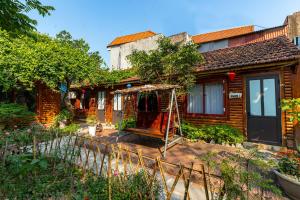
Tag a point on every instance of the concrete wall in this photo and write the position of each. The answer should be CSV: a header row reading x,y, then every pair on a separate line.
x,y
181,38
118,54
293,24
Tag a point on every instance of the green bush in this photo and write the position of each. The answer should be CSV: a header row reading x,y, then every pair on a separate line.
x,y
72,128
127,123
219,133
289,166
25,176
91,120
64,115
12,115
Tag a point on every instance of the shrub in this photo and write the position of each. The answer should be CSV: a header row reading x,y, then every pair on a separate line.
x,y
242,174
289,166
219,133
64,115
127,123
24,176
91,120
12,114
72,128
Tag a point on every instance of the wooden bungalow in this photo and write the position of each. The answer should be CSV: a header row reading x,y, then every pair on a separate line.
x,y
240,86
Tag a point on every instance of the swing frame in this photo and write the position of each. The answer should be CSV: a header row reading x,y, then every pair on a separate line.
x,y
129,92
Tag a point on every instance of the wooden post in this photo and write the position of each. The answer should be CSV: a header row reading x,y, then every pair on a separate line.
x,y
109,177
4,153
187,185
122,115
168,125
103,159
34,147
205,182
178,116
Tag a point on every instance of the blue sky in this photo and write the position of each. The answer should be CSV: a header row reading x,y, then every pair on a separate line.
x,y
100,21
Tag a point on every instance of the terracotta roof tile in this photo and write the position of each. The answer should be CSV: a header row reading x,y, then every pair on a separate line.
x,y
265,52
268,51
131,38
223,34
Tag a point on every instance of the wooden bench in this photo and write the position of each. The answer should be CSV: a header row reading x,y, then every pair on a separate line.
x,y
153,124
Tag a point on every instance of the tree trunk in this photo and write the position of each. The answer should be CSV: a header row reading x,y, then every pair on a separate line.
x,y
66,103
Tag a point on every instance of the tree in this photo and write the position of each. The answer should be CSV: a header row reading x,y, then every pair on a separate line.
x,y
13,16
169,63
25,61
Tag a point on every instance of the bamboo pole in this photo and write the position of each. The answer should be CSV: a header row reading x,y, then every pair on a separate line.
x,y
4,153
178,116
205,182
122,116
162,174
179,174
187,185
34,147
109,177
168,125
103,159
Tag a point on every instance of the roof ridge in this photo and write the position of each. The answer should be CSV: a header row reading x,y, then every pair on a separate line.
x,y
224,30
252,44
131,37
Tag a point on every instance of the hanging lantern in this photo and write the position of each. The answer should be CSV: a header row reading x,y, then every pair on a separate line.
x,y
231,75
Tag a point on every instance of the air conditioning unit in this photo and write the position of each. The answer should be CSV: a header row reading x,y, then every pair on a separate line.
x,y
296,41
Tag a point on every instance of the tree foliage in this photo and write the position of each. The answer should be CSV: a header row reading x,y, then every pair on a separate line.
x,y
14,18
169,63
292,108
24,61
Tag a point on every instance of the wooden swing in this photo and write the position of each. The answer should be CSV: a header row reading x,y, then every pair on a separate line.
x,y
157,123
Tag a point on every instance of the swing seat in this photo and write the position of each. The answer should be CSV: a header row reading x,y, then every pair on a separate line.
x,y
153,124
150,132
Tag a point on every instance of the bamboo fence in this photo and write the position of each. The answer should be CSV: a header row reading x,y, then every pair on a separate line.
x,y
104,159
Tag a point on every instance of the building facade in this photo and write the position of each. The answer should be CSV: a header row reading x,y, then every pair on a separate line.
x,y
245,75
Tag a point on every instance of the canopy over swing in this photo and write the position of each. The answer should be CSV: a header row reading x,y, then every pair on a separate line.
x,y
157,124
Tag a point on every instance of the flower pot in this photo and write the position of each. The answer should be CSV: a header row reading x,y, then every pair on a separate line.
x,y
290,186
92,130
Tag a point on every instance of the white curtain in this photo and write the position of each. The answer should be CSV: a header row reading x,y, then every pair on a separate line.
x,y
195,99
101,100
117,102
214,99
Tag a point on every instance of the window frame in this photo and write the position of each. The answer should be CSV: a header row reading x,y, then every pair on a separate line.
x,y
224,82
103,92
117,102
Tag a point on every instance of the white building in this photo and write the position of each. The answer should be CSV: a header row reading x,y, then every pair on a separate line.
x,y
123,46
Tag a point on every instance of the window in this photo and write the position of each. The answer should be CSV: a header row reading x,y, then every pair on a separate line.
x,y
211,46
101,100
147,103
296,41
262,94
206,98
117,102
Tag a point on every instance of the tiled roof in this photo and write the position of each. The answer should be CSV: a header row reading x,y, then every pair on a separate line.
x,y
218,35
131,38
268,51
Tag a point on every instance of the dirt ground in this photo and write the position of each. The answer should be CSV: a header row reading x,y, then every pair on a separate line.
x,y
182,153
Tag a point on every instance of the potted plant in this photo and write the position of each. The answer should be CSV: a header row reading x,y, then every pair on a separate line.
x,y
292,108
92,124
288,175
63,119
